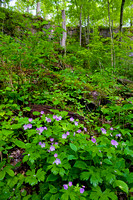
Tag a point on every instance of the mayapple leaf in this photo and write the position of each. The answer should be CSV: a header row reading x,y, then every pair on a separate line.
x,y
122,185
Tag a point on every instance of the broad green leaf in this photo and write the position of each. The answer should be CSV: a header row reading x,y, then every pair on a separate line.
x,y
107,161
85,176
52,177
52,189
73,147
81,164
71,157
122,185
95,179
10,172
19,143
2,175
36,113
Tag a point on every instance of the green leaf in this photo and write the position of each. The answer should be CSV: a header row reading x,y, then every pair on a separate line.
x,y
10,172
73,147
52,177
19,143
107,161
81,164
122,185
40,175
36,113
2,175
95,179
71,157
85,176
52,189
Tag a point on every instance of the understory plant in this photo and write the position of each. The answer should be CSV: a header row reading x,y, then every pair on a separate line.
x,y
55,157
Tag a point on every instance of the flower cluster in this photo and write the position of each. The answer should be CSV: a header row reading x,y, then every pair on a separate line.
x,y
57,161
57,118
66,186
41,129
26,126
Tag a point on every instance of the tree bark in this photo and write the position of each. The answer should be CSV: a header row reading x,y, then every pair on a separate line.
x,y
38,8
63,42
88,30
80,25
111,35
121,14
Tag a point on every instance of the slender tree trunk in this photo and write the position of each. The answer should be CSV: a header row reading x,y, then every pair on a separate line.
x,y
63,42
112,45
38,8
80,25
88,30
28,8
121,14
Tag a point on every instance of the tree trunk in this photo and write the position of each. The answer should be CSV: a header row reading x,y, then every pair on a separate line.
x,y
28,8
38,8
121,14
80,25
88,30
63,42
110,29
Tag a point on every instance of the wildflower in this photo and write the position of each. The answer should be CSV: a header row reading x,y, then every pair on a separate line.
x,y
70,184
64,136
60,117
93,140
30,119
74,134
57,161
48,119
52,148
76,123
103,130
85,129
79,131
118,135
67,133
25,127
55,155
42,112
82,190
65,187
41,129
51,139
115,143
29,125
54,116
71,119
42,144
56,143
111,129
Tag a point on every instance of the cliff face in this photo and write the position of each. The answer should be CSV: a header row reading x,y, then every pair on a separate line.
x,y
17,24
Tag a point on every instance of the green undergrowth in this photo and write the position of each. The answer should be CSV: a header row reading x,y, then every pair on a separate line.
x,y
55,156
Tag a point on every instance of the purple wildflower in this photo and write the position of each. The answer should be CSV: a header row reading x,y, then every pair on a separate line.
x,y
118,135
82,190
30,119
25,127
93,140
67,133
42,112
51,139
52,148
85,129
41,129
65,186
71,119
74,134
48,119
55,155
111,129
29,125
64,136
76,123
56,143
57,161
42,144
70,184
103,130
79,131
115,143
